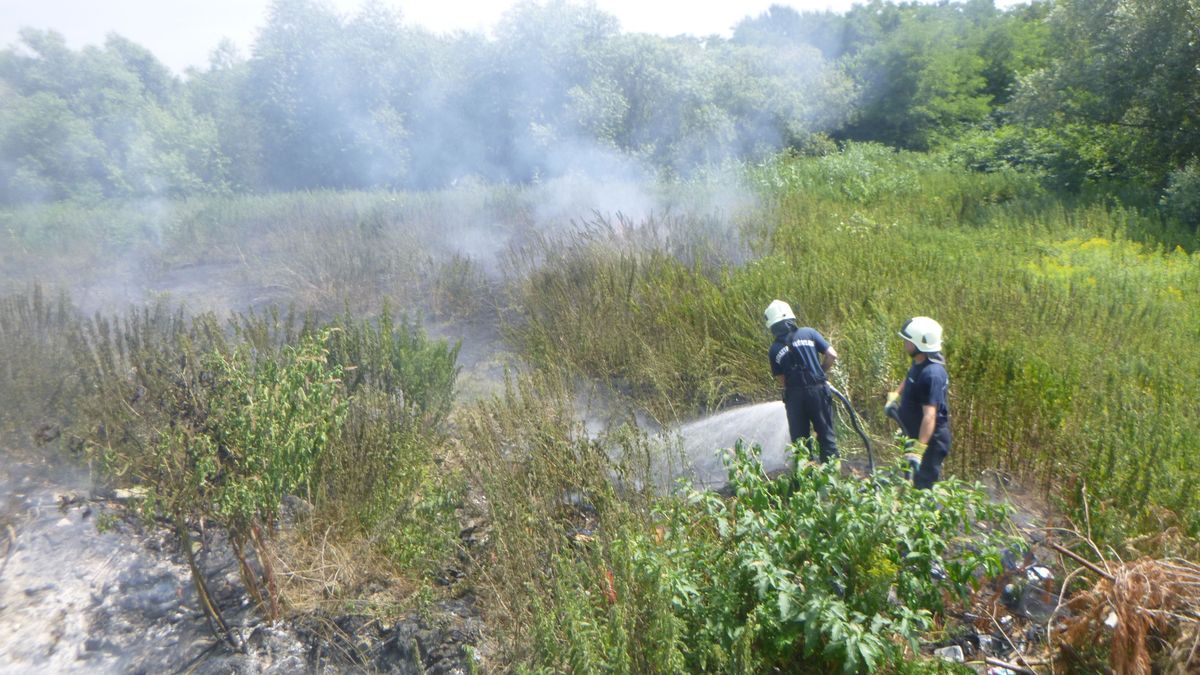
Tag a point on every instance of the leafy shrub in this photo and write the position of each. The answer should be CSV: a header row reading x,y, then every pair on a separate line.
x,y
381,480
809,572
396,358
211,431
267,423
832,570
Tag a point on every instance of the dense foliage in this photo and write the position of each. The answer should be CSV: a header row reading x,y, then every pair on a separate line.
x,y
1086,92
839,571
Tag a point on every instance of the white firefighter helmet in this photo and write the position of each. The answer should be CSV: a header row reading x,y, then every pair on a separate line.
x,y
923,332
778,311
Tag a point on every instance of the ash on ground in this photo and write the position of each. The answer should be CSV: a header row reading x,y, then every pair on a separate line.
x,y
85,587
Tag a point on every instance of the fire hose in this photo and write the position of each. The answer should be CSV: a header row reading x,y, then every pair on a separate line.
x,y
855,422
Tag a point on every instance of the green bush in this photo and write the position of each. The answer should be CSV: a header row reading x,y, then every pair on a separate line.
x,y
809,572
267,423
383,482
814,571
383,469
396,358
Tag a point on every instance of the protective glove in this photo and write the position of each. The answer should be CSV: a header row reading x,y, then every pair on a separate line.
x,y
912,462
892,407
914,452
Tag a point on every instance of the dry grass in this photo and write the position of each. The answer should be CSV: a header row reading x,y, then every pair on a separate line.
x,y
322,571
1148,613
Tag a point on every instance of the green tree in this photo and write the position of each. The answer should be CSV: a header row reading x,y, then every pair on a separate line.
x,y
540,56
50,153
296,97
785,27
100,122
686,102
220,93
1124,78
1011,44
920,74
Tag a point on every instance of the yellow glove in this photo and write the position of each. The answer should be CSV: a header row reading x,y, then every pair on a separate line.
x,y
892,407
913,461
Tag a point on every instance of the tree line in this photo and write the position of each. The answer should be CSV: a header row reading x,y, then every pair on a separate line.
x,y
1087,92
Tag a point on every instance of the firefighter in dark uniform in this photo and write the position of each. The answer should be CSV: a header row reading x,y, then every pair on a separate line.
x,y
799,358
921,404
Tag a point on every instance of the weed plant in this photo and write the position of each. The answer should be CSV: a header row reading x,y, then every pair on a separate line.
x,y
386,468
36,382
591,300
550,572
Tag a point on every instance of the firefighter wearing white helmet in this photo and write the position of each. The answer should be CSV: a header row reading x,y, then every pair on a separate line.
x,y
799,358
921,404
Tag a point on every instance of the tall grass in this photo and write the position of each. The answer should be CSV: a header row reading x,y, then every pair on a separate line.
x,y
435,252
1070,334
555,555
36,381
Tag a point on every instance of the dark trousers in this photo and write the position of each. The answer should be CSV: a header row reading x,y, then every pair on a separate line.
x,y
930,470
811,407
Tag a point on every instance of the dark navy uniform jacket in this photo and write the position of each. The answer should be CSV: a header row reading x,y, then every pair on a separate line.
x,y
927,384
798,358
